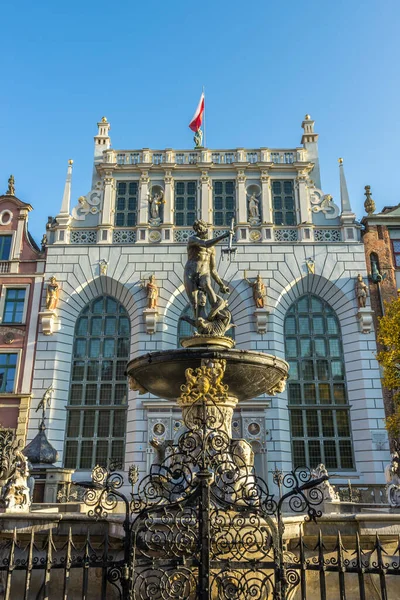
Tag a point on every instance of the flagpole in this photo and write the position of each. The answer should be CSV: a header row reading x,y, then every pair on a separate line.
x,y
205,145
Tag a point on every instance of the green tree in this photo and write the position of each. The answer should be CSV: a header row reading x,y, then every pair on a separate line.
x,y
389,359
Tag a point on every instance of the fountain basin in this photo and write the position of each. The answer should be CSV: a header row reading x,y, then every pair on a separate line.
x,y
248,374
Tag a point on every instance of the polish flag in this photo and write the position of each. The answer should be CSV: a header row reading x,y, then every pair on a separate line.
x,y
197,120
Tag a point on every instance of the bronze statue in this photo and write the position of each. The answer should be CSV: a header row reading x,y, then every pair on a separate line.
x,y
259,290
200,267
361,289
52,293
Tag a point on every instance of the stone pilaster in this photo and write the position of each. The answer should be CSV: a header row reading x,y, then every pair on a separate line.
x,y
108,199
241,197
144,198
169,198
304,206
266,204
206,198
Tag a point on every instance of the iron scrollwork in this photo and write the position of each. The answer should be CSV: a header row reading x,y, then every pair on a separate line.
x,y
202,524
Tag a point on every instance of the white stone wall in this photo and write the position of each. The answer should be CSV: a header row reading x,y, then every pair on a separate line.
x,y
283,269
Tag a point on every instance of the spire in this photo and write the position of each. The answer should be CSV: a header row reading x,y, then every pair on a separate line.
x,y
67,191
369,204
102,140
344,194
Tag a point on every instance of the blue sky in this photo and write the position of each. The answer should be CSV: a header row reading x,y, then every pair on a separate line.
x,y
264,66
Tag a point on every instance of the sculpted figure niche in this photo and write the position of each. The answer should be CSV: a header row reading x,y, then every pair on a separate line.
x,y
200,270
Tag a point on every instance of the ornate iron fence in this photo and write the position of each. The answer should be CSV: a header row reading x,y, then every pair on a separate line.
x,y
200,526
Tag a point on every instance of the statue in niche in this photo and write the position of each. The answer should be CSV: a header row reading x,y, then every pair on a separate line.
x,y
259,290
155,202
254,211
52,293
361,289
200,270
152,292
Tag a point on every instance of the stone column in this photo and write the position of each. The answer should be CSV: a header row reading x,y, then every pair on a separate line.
x,y
206,206
241,209
266,204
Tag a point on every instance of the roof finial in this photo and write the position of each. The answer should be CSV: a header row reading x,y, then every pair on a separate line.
x,y
65,205
344,194
11,186
369,203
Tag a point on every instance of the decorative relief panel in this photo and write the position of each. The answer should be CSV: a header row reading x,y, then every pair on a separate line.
x,y
83,236
327,235
124,236
286,235
182,235
324,203
89,204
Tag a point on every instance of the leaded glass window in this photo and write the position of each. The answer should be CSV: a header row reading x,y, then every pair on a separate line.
x,y
283,202
97,403
126,204
8,367
396,252
185,203
187,330
224,202
318,406
14,305
5,247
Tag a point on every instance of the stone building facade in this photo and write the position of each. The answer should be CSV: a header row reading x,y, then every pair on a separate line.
x,y
21,281
135,222
381,238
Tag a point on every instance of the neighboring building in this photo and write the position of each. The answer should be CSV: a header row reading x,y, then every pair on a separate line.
x,y
21,281
381,238
307,250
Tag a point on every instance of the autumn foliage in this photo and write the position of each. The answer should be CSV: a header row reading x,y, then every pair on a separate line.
x,y
389,359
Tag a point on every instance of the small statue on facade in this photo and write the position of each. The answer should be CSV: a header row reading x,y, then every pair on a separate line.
x,y
259,290
44,242
254,211
11,186
198,139
155,202
52,293
152,292
361,289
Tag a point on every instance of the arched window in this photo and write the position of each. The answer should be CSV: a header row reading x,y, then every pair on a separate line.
x,y
96,420
186,330
318,406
